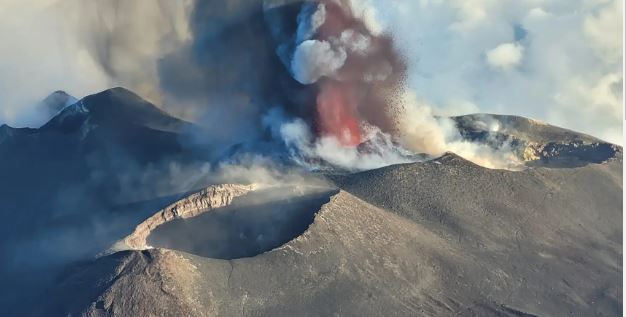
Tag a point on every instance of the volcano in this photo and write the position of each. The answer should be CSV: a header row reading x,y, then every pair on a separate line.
x,y
440,236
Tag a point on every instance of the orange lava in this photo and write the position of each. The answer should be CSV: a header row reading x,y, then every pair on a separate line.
x,y
336,108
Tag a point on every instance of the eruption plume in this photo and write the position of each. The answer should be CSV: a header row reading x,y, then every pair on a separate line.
x,y
354,70
365,115
303,81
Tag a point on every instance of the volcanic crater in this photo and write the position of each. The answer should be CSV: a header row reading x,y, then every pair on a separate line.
x,y
232,221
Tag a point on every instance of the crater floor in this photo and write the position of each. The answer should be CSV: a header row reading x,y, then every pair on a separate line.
x,y
253,224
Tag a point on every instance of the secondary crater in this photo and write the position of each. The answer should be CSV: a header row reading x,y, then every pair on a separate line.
x,y
254,223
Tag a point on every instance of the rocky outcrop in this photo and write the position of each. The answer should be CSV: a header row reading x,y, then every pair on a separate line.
x,y
484,126
534,142
208,199
570,152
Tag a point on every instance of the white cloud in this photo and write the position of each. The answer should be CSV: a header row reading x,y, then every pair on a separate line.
x,y
602,102
35,60
505,56
537,13
315,59
601,27
563,53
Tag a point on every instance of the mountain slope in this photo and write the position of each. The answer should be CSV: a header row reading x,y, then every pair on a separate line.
x,y
86,157
68,186
439,238
553,234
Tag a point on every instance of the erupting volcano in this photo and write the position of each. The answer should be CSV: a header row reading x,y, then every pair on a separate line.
x,y
352,67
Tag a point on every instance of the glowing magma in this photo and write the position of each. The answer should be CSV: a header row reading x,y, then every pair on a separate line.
x,y
336,108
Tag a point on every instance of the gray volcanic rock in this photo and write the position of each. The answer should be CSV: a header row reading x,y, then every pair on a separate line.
x,y
535,142
518,127
439,238
205,200
83,153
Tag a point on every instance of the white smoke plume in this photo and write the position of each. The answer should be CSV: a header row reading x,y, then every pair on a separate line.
x,y
422,132
381,150
315,59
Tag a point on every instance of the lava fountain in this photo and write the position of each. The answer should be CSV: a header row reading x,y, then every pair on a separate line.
x,y
337,115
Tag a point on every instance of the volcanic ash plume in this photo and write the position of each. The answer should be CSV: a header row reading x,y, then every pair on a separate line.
x,y
354,74
354,70
364,116
318,82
